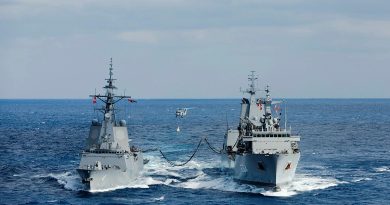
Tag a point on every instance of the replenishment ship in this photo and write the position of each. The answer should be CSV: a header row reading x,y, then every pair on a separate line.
x,y
259,150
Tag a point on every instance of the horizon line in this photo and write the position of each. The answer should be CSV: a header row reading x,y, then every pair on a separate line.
x,y
291,98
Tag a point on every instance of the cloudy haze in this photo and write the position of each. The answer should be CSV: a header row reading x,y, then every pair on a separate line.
x,y
195,48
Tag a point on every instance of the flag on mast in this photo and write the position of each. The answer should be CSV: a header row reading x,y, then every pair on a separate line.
x,y
277,108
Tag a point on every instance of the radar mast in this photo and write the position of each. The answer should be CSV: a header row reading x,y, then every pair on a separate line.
x,y
109,98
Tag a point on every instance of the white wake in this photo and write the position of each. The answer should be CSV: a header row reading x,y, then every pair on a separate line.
x,y
195,176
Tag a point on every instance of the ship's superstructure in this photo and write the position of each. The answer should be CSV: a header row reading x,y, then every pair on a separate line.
x,y
260,151
108,161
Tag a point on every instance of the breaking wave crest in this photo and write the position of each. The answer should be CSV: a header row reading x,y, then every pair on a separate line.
x,y
68,180
305,183
140,183
72,181
362,179
383,169
301,183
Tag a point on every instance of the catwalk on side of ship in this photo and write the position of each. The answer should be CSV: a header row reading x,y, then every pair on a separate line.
x,y
260,151
108,160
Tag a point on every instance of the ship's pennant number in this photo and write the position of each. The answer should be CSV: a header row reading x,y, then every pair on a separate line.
x,y
243,168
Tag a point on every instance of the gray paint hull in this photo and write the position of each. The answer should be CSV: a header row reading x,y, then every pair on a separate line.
x,y
122,170
274,169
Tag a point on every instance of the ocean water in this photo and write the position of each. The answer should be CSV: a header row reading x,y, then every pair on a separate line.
x,y
345,153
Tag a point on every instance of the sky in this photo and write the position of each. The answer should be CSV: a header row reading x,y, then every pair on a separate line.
x,y
195,48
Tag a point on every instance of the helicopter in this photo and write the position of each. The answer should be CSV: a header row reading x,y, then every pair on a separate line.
x,y
181,112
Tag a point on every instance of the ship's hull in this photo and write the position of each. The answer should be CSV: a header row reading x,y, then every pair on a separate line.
x,y
115,171
265,169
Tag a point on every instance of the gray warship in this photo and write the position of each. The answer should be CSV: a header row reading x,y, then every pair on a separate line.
x,y
259,150
108,160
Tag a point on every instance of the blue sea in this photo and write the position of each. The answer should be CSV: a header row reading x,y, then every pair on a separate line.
x,y
345,153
